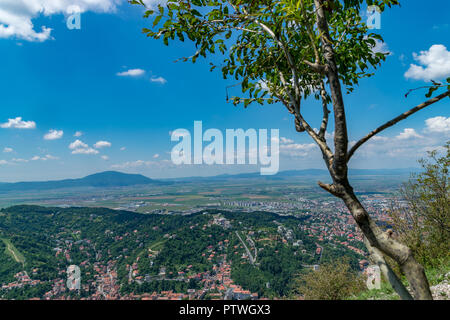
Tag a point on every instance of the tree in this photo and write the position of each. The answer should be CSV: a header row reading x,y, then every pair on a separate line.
x,y
289,50
333,281
424,222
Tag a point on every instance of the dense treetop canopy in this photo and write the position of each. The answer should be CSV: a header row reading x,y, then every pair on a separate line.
x,y
272,47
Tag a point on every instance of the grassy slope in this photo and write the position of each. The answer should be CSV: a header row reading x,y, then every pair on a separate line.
x,y
434,275
13,251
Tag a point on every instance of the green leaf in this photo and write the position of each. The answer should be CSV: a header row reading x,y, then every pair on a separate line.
x,y
156,21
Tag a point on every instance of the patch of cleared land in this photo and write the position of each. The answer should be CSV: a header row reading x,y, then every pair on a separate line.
x,y
13,252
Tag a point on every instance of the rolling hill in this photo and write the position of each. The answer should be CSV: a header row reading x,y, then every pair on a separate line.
x,y
103,179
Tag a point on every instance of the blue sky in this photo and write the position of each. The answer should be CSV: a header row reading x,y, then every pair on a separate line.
x,y
68,81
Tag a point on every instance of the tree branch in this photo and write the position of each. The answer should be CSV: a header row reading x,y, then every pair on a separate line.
x,y
326,152
316,67
395,121
340,122
326,112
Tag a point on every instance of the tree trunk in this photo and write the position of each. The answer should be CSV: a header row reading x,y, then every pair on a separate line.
x,y
383,241
338,167
386,271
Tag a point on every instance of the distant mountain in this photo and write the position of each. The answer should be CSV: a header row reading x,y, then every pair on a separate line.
x,y
282,175
102,179
352,172
118,179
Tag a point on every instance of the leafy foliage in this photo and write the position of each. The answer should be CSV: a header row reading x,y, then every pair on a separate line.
x,y
424,223
331,282
432,88
262,42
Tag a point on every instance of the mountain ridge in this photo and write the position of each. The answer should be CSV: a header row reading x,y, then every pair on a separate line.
x,y
298,173
120,179
100,179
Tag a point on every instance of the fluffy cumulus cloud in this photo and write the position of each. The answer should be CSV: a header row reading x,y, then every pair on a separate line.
x,y
18,123
409,145
54,135
408,133
102,144
78,134
438,125
16,16
77,144
434,64
8,150
79,147
131,73
289,148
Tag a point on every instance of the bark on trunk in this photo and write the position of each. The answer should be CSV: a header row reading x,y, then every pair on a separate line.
x,y
382,241
386,271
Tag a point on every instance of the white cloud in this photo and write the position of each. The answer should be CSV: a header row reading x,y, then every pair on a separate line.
x,y
154,3
123,149
381,47
85,151
15,160
50,157
284,140
79,147
102,144
408,133
7,150
156,156
438,124
77,144
54,134
132,164
106,158
380,138
160,80
3,162
160,164
44,158
263,85
435,64
78,134
131,73
290,148
16,15
18,123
